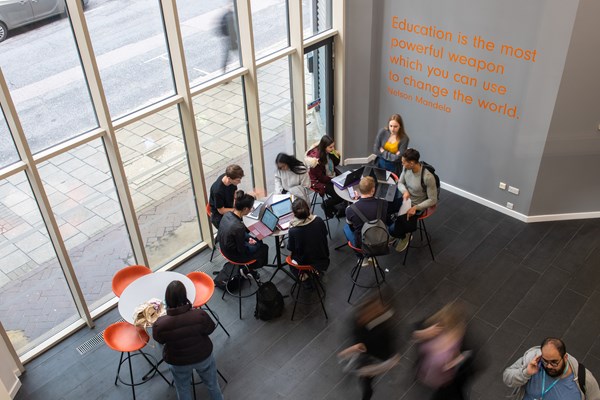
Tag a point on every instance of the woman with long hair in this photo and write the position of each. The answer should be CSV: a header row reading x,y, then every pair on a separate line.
x,y
184,333
308,237
291,176
322,160
390,144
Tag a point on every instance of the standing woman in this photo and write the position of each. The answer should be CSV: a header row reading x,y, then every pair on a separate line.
x,y
390,145
184,332
322,160
291,177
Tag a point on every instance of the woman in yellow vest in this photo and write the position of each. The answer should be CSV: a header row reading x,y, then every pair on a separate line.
x,y
390,145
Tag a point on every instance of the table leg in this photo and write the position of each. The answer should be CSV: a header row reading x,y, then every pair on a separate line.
x,y
279,265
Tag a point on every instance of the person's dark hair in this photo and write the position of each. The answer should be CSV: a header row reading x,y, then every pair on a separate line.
x,y
176,295
243,200
234,171
398,119
411,155
301,209
323,144
295,165
557,343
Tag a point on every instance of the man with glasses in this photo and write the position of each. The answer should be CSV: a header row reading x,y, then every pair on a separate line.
x,y
222,193
421,198
548,372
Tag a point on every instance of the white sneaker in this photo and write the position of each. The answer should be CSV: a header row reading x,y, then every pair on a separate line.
x,y
367,262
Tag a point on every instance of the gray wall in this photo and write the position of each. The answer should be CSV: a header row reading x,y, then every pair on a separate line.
x,y
568,179
474,149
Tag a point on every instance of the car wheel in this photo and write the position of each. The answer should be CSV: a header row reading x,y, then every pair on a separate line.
x,y
3,31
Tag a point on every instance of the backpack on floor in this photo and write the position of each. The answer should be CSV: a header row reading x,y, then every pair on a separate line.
x,y
431,169
222,278
269,302
374,234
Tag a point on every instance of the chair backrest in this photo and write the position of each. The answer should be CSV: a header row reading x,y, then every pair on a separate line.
x,y
125,276
204,285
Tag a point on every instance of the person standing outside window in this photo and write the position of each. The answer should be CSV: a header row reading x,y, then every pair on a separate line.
x,y
390,145
184,333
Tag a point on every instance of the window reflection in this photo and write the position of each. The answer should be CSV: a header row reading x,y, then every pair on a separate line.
x,y
8,152
270,26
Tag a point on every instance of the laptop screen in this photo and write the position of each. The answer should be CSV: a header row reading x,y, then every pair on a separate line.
x,y
269,219
282,207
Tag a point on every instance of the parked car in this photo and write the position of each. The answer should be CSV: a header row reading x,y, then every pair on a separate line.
x,y
16,13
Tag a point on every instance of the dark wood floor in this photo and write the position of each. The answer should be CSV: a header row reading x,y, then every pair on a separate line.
x,y
521,282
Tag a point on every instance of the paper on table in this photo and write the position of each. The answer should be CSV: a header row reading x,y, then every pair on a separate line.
x,y
406,205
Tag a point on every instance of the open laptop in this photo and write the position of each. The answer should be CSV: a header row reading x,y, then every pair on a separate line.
x,y
385,191
379,174
348,178
256,209
283,210
265,225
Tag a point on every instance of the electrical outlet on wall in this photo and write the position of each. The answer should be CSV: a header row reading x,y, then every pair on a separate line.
x,y
513,190
509,205
502,185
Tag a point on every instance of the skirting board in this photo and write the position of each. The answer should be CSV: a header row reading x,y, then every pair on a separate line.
x,y
15,388
517,215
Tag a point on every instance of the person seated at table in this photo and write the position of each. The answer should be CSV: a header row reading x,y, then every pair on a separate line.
x,y
307,238
322,160
291,177
184,333
235,240
366,204
421,199
222,193
390,144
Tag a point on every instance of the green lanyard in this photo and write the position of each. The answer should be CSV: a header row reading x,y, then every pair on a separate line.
x,y
544,391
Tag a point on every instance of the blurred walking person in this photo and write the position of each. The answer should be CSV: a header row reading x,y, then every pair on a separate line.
x,y
228,30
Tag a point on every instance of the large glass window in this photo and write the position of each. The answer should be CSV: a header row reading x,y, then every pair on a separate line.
x,y
84,201
8,153
131,50
42,68
275,114
223,132
270,25
210,38
316,16
157,171
35,301
317,92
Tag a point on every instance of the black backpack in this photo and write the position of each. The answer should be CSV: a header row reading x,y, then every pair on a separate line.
x,y
222,279
581,378
431,169
374,234
269,302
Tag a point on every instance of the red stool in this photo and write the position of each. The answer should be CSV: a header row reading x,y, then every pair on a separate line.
x,y
127,338
205,287
314,278
355,273
422,228
394,177
239,295
125,276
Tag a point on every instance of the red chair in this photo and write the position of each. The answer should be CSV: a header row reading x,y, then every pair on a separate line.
x,y
355,273
208,212
422,228
394,177
125,276
205,287
127,338
239,266
313,275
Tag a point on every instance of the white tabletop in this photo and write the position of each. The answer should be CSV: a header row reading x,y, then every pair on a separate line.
x,y
151,286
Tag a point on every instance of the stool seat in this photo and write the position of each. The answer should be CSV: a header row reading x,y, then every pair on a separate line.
x,y
205,287
239,295
355,272
299,267
125,337
312,274
125,276
422,229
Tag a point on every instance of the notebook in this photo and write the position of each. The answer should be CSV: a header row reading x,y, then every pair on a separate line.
x,y
265,226
283,210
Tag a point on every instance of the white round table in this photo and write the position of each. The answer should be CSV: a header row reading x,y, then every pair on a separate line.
x,y
151,286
